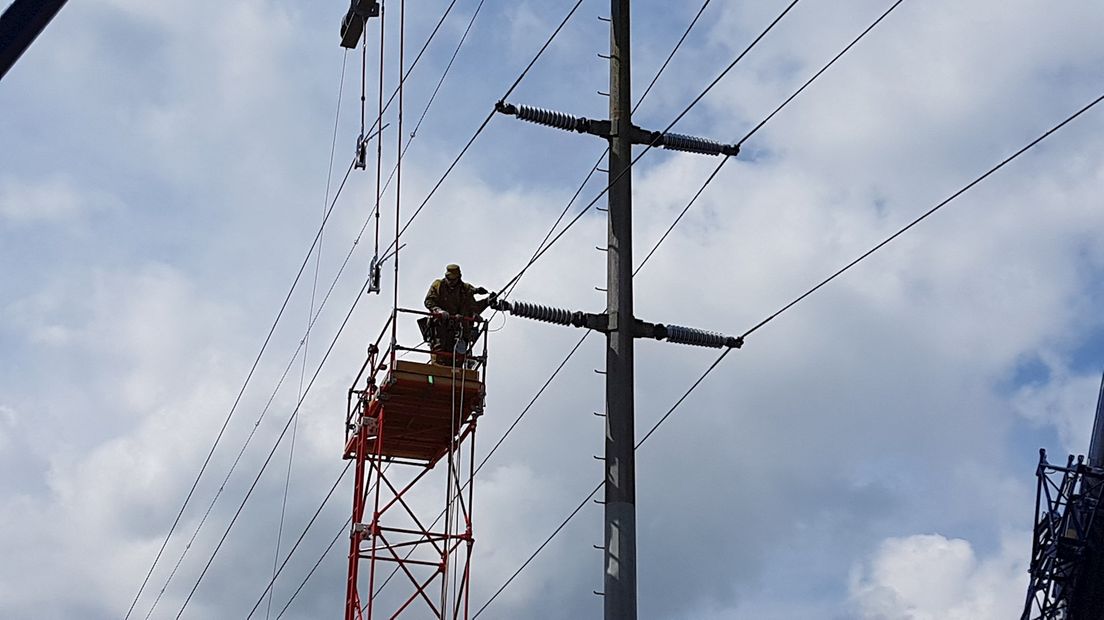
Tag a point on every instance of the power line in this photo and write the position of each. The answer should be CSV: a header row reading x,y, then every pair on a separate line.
x,y
517,420
241,392
666,62
929,212
486,121
586,499
294,415
759,126
433,96
551,230
276,573
720,358
506,293
636,159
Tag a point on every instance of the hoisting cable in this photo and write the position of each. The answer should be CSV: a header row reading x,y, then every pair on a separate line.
x,y
487,120
759,126
506,292
717,361
268,459
237,399
649,147
379,153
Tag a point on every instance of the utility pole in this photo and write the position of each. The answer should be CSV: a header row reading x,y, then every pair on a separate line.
x,y
619,321
620,487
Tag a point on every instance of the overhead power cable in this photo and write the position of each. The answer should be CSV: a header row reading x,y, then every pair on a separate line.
x,y
759,126
413,64
268,459
483,125
648,148
241,392
721,357
345,526
279,314
591,495
508,290
272,582
926,214
433,96
551,230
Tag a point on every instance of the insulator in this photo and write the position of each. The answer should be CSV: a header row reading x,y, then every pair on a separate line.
x,y
537,312
696,337
691,144
552,118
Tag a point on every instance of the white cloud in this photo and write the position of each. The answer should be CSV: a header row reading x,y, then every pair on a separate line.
x,y
55,199
931,577
878,406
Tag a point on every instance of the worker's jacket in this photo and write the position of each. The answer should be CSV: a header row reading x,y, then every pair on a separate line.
x,y
459,299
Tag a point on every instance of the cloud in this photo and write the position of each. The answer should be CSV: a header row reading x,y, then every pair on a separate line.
x,y
889,403
55,200
929,577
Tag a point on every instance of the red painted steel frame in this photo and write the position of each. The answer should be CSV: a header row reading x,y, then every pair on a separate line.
x,y
398,430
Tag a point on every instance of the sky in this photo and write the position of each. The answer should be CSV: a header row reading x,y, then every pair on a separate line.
x,y
869,454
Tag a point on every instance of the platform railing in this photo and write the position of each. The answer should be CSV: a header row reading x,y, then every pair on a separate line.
x,y
377,361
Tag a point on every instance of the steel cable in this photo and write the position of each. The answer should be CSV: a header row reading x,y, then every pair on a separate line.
x,y
276,573
483,125
268,459
721,357
926,214
586,499
237,399
649,147
760,125
507,291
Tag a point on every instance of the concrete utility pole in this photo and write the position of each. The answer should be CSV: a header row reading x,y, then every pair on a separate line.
x,y
620,518
619,322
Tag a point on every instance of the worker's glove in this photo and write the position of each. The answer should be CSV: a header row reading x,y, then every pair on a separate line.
x,y
437,312
481,291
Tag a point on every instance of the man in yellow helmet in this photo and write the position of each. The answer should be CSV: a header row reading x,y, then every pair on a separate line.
x,y
450,297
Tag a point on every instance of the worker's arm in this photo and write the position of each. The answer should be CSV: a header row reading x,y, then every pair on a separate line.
x,y
480,305
431,298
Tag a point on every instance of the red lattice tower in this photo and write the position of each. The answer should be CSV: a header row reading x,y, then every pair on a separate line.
x,y
405,420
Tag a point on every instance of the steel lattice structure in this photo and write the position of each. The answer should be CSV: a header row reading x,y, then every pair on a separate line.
x,y
1066,541
405,418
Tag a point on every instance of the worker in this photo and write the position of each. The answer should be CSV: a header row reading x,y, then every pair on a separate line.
x,y
451,297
